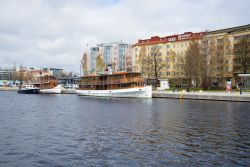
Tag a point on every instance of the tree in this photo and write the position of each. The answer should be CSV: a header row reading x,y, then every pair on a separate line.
x,y
84,63
141,58
212,60
242,54
155,63
128,61
28,76
193,65
100,65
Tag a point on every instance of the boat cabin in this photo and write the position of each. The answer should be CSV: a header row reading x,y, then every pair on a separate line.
x,y
46,82
29,87
118,80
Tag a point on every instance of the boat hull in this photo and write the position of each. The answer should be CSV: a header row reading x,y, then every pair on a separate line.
x,y
144,92
55,90
28,91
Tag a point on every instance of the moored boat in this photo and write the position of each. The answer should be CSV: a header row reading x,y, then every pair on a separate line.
x,y
49,85
54,90
28,89
119,84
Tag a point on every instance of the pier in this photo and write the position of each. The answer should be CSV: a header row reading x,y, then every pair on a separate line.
x,y
217,96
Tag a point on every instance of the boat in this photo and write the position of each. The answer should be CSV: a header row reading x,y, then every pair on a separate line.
x,y
119,84
28,89
49,85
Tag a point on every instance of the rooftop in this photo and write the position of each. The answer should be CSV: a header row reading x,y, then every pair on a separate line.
x,y
230,30
170,38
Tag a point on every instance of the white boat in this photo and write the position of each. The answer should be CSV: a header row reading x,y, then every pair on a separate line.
x,y
49,85
145,92
54,90
120,84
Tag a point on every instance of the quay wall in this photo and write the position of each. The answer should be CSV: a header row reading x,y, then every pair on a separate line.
x,y
8,88
68,91
203,96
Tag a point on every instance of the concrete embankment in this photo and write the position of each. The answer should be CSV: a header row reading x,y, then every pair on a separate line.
x,y
68,91
203,96
8,88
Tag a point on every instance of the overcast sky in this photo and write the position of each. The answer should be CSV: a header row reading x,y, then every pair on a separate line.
x,y
54,33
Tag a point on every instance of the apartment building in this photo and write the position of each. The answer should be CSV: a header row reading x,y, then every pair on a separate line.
x,y
170,48
219,47
118,54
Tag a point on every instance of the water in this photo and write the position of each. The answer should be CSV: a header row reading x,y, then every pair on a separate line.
x,y
68,130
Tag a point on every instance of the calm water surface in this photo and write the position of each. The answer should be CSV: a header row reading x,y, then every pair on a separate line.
x,y
68,130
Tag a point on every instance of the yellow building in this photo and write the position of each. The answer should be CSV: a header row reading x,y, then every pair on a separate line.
x,y
218,46
170,48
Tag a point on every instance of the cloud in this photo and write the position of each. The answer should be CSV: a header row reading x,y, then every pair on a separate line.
x,y
55,33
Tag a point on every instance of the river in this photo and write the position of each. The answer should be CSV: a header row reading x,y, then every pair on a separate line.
x,y
69,130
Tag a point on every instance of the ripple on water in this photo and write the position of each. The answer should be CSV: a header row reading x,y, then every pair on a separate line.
x,y
69,130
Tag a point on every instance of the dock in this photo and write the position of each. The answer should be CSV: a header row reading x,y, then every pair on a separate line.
x,y
2,88
216,96
68,91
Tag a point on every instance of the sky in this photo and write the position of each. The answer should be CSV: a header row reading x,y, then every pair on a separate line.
x,y
55,33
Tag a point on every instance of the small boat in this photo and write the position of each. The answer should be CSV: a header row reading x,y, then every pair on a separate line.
x,y
28,89
49,85
119,84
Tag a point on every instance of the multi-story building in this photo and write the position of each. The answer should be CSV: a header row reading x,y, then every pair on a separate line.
x,y
118,54
219,46
92,56
170,48
7,73
54,71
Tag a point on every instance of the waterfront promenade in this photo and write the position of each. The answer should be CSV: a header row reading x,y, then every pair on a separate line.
x,y
218,96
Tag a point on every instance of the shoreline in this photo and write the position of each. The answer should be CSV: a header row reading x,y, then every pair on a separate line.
x,y
212,96
14,89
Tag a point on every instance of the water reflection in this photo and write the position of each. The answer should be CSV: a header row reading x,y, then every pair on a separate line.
x,y
68,130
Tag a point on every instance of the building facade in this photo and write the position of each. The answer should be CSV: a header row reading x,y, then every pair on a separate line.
x,y
171,48
57,72
219,48
7,73
118,54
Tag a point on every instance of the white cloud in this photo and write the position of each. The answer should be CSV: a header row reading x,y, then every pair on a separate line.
x,y
55,33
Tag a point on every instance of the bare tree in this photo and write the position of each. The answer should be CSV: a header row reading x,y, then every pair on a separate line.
x,y
155,63
141,58
128,61
193,65
29,76
100,65
114,66
212,60
84,63
242,54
